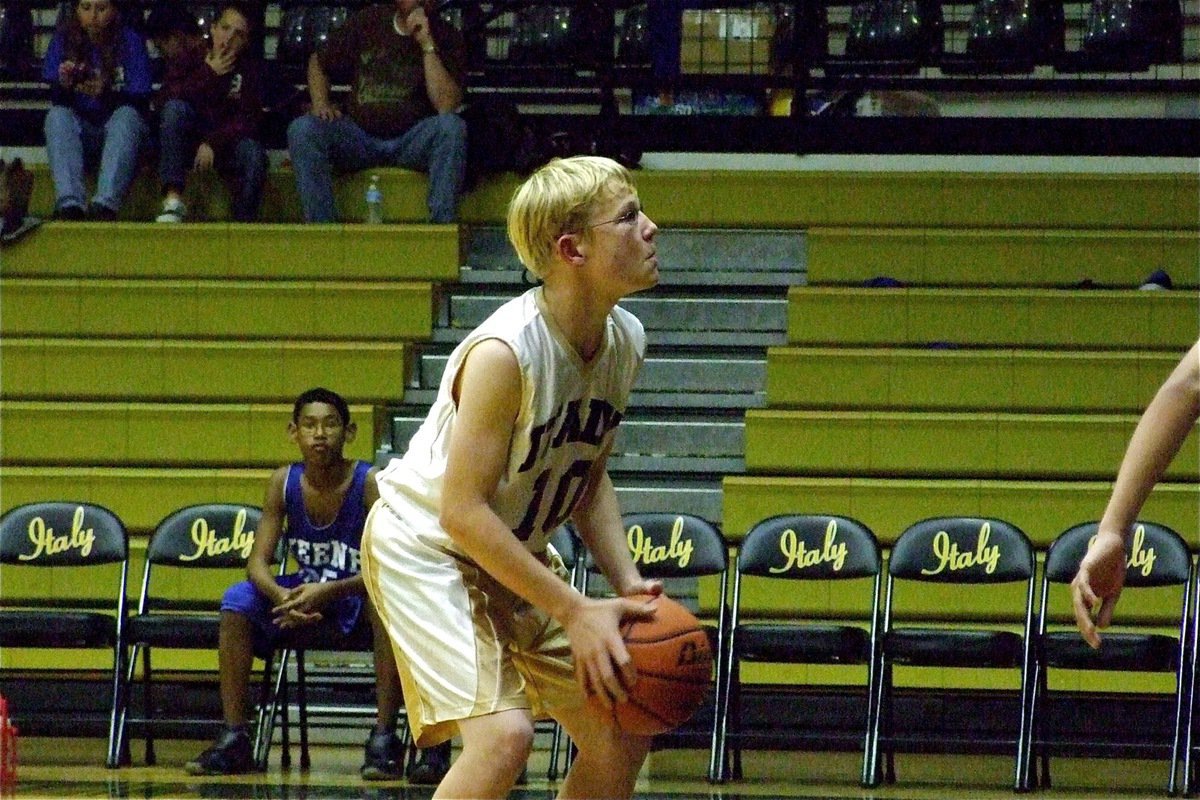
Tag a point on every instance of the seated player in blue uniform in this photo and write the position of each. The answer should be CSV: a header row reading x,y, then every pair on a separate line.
x,y
320,505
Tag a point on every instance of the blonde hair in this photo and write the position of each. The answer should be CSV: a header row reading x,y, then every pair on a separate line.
x,y
559,198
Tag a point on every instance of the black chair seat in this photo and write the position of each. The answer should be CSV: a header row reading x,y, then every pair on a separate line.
x,y
56,629
809,644
192,631
1145,652
929,647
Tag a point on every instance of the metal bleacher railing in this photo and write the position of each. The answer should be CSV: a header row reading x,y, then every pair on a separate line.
x,y
1020,76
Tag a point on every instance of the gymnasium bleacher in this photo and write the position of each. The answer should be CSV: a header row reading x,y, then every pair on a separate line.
x,y
146,369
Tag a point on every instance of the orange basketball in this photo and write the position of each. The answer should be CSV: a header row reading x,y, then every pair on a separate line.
x,y
674,665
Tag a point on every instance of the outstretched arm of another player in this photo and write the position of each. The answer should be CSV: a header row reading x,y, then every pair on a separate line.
x,y
1158,436
488,395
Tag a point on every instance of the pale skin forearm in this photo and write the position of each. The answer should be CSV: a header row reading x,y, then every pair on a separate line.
x,y
490,543
1155,442
598,521
318,82
444,92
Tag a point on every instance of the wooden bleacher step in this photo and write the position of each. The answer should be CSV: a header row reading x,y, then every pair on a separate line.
x,y
141,495
256,252
1042,508
995,379
766,199
36,368
174,308
1025,318
42,433
982,445
989,257
688,257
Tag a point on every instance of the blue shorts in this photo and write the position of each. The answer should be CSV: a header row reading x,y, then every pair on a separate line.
x,y
343,621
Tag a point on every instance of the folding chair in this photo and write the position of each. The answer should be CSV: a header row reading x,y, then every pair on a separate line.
x,y
964,554
276,689
678,548
295,645
1158,557
209,537
80,538
802,547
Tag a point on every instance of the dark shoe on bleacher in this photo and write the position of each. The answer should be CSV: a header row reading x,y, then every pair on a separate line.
x,y
431,765
69,214
101,213
383,757
230,755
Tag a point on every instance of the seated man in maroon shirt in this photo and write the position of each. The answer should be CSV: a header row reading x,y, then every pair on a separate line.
x,y
211,105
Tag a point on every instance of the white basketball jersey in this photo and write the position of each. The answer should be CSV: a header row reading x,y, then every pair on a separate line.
x,y
569,413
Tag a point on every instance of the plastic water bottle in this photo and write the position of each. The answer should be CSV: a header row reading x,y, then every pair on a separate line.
x,y
374,202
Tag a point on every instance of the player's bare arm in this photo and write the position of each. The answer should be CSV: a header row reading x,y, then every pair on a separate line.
x,y
598,521
1155,442
266,539
488,396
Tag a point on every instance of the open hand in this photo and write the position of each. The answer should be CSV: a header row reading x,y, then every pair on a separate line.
x,y
603,666
1097,585
221,61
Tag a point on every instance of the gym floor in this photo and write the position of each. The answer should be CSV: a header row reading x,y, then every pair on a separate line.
x,y
72,768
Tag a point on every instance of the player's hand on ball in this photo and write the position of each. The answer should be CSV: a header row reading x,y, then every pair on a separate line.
x,y
651,587
603,666
1097,585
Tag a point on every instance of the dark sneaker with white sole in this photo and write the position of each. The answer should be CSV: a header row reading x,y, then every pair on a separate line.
x,y
431,765
383,758
230,755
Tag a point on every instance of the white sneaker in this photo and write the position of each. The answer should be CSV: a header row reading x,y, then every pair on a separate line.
x,y
172,211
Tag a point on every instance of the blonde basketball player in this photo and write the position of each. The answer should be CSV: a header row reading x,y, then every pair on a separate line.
x,y
488,636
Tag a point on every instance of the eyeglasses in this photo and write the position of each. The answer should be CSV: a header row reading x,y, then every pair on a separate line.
x,y
310,425
627,218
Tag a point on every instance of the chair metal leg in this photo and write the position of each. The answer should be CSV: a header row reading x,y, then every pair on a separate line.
x,y
736,716
277,707
148,710
556,738
302,701
1024,757
285,724
265,724
888,729
119,748
1173,785
719,758
874,771
116,713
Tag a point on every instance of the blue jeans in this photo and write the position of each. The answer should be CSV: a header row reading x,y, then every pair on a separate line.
x,y
436,145
177,152
73,143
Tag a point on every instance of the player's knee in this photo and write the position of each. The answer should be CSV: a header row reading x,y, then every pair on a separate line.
x,y
513,744
614,746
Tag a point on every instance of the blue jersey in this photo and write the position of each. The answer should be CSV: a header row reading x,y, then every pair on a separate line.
x,y
328,552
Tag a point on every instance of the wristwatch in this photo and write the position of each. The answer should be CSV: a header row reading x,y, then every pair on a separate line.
x,y
429,48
